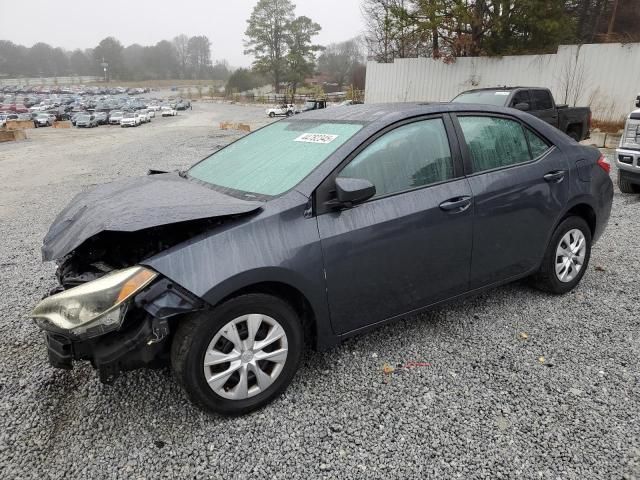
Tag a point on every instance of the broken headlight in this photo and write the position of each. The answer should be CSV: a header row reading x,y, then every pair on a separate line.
x,y
95,307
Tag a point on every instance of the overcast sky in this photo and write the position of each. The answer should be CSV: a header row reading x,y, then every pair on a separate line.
x,y
83,23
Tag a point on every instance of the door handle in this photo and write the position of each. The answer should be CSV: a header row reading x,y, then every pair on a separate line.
x,y
456,204
556,176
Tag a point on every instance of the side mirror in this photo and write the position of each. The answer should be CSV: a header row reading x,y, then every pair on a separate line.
x,y
351,191
524,106
638,101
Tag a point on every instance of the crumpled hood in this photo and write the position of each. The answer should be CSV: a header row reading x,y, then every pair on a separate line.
x,y
134,204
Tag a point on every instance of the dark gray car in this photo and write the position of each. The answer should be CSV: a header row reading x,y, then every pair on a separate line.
x,y
315,228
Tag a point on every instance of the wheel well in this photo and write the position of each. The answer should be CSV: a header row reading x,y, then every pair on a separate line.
x,y
574,126
586,212
293,297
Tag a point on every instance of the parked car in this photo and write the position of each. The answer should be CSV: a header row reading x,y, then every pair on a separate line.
x,y
168,111
144,115
628,154
115,117
574,121
43,120
130,119
101,117
86,121
286,109
316,227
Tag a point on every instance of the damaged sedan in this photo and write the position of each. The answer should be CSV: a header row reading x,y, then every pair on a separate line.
x,y
310,230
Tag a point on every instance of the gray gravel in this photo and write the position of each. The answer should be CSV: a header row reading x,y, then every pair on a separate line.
x,y
486,405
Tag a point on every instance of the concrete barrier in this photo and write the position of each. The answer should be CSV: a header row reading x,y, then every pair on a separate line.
x,y
62,124
235,126
19,124
12,135
612,141
596,139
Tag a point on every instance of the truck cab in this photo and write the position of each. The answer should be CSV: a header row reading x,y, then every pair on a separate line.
x,y
539,102
628,153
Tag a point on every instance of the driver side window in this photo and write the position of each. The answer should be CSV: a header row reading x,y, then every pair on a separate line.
x,y
408,157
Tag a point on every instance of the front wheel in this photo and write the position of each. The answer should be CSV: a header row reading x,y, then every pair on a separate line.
x,y
271,114
567,257
240,355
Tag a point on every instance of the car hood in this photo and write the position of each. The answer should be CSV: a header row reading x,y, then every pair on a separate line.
x,y
135,204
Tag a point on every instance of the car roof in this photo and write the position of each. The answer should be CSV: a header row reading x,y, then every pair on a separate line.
x,y
391,112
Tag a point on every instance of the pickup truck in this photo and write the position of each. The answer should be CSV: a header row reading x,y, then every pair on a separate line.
x,y
574,121
628,154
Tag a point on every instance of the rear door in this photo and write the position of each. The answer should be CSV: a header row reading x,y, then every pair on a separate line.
x,y
518,184
543,106
409,245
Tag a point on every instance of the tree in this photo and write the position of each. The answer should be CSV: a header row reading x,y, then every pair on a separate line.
x,y
199,56
181,45
339,60
110,50
244,79
267,35
301,55
221,70
80,63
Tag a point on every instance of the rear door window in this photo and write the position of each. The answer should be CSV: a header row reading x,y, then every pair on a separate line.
x,y
494,142
521,96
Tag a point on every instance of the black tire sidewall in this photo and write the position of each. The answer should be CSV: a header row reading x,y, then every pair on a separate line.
x,y
570,223
210,322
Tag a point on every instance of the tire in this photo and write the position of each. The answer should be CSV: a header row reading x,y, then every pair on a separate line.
x,y
289,113
547,279
196,333
626,186
271,114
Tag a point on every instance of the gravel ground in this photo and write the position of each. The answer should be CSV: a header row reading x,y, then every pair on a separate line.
x,y
516,382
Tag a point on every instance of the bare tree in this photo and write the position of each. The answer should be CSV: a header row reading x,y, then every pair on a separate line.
x,y
181,44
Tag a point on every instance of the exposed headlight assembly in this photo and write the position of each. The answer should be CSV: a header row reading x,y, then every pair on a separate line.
x,y
93,308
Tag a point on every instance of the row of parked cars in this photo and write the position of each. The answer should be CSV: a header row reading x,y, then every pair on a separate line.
x,y
124,118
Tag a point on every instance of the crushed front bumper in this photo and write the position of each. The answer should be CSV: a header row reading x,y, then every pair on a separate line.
x,y
143,340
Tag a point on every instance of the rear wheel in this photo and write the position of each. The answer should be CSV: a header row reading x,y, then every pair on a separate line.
x,y
567,257
239,356
626,186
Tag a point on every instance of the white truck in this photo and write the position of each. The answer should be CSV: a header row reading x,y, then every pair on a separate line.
x,y
286,109
628,153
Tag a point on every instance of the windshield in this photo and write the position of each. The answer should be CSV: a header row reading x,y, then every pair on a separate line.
x,y
275,158
485,97
129,115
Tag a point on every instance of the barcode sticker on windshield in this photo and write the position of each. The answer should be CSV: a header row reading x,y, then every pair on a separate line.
x,y
316,138
502,93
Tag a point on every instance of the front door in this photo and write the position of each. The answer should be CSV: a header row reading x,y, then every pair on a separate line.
x,y
409,245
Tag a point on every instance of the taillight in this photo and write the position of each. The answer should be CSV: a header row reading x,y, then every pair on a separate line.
x,y
604,164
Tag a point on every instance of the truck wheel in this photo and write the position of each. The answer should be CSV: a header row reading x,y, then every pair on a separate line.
x,y
567,257
240,355
626,186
